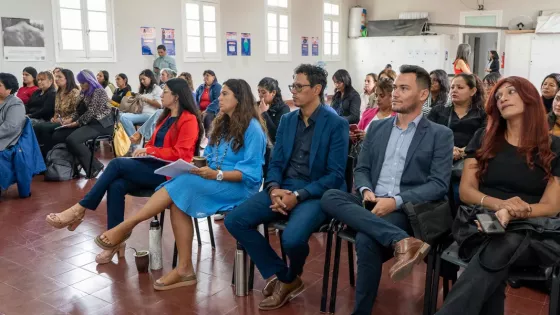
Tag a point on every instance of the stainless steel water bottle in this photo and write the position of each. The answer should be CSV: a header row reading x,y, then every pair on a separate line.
x,y
156,259
240,272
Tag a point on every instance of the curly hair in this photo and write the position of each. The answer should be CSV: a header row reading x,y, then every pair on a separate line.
x,y
233,128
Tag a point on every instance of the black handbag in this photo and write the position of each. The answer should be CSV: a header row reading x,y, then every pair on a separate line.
x,y
430,221
542,235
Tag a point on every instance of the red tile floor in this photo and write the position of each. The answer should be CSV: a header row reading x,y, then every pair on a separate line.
x,y
48,271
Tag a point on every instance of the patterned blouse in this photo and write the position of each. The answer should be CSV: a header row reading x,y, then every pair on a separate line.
x,y
66,103
97,105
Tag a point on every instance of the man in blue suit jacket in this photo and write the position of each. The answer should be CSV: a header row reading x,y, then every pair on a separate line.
x,y
404,159
309,158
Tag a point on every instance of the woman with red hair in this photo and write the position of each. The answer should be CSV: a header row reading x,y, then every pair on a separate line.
x,y
512,169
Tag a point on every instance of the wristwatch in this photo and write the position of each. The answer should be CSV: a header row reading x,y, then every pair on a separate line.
x,y
297,195
220,176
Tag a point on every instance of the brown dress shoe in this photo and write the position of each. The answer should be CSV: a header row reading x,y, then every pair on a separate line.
x,y
283,292
269,287
408,252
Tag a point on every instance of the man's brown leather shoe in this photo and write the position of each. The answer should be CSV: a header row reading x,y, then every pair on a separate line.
x,y
283,292
269,287
408,253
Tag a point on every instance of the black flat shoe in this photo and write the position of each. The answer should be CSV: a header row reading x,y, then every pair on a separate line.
x,y
96,172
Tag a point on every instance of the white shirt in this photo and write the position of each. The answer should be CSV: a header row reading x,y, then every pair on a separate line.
x,y
109,92
154,95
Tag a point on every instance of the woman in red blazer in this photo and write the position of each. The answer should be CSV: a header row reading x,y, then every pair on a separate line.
x,y
177,136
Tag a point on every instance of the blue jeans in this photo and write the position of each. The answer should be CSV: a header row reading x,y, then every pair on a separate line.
x,y
303,221
128,120
374,239
122,176
147,129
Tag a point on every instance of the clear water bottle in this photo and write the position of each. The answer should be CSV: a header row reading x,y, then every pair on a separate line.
x,y
156,259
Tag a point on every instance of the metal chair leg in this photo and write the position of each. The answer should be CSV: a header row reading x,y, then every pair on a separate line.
x,y
554,306
336,267
445,287
211,231
351,263
251,274
435,282
161,220
174,263
92,150
280,232
429,282
266,234
197,230
326,271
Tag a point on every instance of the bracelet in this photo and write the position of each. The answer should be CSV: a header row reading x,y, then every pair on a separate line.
x,y
482,200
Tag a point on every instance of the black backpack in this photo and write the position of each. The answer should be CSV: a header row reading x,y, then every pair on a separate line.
x,y
61,164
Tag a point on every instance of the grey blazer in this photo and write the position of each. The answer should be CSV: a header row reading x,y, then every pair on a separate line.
x,y
429,159
12,121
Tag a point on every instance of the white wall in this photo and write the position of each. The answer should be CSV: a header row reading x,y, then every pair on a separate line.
x,y
246,16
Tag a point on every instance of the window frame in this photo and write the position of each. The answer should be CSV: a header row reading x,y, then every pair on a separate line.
x,y
331,19
202,56
278,11
86,55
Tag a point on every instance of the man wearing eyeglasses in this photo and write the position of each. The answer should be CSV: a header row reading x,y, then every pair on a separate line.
x,y
308,159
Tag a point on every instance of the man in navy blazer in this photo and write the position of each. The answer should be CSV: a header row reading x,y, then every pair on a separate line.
x,y
404,159
309,158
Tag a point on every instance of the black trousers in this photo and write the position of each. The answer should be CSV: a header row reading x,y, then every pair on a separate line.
x,y
44,132
482,292
75,139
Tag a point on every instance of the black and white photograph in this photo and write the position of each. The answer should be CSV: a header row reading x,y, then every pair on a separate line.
x,y
23,39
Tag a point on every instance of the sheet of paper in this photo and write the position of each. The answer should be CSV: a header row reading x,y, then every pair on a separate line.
x,y
63,127
175,169
148,157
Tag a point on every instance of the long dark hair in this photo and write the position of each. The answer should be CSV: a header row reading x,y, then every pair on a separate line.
x,y
233,128
180,88
271,85
444,87
494,55
105,74
33,72
534,138
125,78
463,53
473,81
150,75
344,77
555,77
70,81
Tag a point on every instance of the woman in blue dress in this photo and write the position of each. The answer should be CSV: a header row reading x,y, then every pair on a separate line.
x,y
235,156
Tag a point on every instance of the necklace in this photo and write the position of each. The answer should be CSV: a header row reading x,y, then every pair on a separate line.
x,y
216,156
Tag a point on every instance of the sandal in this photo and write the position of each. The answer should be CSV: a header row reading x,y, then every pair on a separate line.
x,y
108,246
135,138
54,220
107,258
184,281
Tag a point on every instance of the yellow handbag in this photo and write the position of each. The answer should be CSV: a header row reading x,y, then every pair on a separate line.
x,y
121,141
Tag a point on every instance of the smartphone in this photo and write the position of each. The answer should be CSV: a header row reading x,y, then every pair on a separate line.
x,y
490,224
369,205
354,128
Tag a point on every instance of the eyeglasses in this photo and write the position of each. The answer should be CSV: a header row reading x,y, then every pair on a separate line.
x,y
298,87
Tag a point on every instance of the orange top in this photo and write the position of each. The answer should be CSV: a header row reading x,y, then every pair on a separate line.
x,y
459,70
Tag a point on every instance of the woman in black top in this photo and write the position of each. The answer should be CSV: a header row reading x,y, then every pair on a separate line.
x,y
549,87
465,115
346,101
40,107
123,89
493,62
512,169
271,105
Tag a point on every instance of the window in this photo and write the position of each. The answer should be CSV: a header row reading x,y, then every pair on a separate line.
x,y
278,30
201,24
331,30
84,30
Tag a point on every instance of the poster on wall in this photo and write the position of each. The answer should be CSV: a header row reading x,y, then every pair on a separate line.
x,y
24,39
305,46
168,40
231,43
315,46
245,44
148,40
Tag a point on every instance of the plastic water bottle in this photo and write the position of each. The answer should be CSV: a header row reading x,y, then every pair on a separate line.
x,y
156,259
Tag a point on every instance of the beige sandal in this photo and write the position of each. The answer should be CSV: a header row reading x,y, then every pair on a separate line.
x,y
107,258
184,281
109,246
54,220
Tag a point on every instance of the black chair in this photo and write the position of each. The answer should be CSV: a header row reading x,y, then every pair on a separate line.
x,y
93,142
451,256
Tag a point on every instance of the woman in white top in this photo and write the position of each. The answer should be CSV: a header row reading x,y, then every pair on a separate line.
x,y
368,95
150,94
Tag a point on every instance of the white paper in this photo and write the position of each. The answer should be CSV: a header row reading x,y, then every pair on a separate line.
x,y
175,169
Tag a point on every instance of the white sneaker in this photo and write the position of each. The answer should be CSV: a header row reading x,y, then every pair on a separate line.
x,y
219,217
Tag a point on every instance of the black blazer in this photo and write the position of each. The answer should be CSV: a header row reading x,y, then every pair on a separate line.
x,y
495,65
348,106
272,118
41,106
